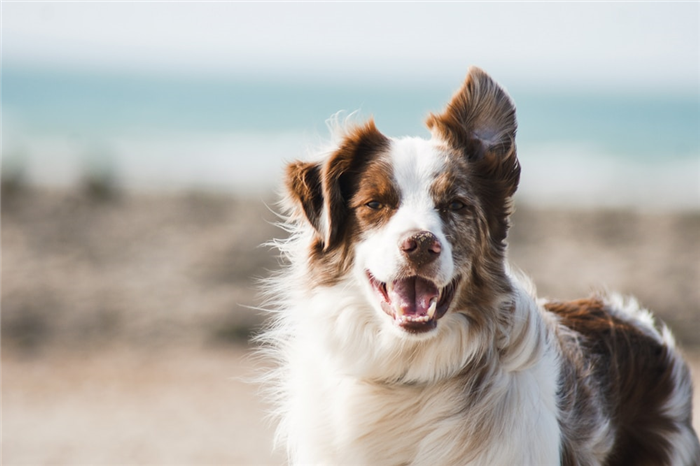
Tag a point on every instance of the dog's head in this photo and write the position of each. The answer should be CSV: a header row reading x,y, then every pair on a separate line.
x,y
420,223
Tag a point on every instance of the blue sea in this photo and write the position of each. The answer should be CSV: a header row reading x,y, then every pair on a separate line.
x,y
159,132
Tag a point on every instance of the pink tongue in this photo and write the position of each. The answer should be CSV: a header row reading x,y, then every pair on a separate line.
x,y
411,296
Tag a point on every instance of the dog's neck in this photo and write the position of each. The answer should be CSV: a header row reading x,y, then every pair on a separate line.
x,y
521,345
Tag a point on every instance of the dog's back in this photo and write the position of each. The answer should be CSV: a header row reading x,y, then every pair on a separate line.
x,y
620,367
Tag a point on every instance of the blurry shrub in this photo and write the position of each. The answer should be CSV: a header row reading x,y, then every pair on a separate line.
x,y
100,186
235,332
99,181
14,177
26,328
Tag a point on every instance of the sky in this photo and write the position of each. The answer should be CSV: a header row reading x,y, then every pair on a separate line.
x,y
637,46
588,78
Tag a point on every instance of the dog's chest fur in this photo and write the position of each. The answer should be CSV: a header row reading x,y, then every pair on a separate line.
x,y
346,420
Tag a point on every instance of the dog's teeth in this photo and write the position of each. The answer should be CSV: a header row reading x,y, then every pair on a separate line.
x,y
431,309
414,319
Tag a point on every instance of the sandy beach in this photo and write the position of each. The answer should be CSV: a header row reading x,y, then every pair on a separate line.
x,y
125,317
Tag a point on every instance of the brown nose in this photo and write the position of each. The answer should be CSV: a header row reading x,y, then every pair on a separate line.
x,y
421,248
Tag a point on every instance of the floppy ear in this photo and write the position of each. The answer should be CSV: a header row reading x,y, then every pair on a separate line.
x,y
480,122
322,190
303,183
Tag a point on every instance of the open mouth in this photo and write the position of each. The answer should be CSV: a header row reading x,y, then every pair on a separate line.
x,y
415,303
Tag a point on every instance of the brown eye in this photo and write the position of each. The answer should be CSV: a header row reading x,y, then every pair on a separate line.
x,y
374,205
455,206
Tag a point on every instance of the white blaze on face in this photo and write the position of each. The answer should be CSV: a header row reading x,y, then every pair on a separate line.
x,y
415,163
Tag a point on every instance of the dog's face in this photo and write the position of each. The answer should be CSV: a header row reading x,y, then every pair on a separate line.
x,y
420,224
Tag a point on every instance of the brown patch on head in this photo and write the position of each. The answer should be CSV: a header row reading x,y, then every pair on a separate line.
x,y
376,197
325,194
341,176
478,253
615,367
479,125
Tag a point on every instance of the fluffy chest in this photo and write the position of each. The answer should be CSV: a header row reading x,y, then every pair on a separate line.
x,y
348,421
342,420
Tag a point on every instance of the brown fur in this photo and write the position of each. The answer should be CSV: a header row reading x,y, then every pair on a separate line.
x,y
332,185
633,374
375,185
478,127
303,181
479,122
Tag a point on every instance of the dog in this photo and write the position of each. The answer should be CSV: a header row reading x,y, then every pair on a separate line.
x,y
402,337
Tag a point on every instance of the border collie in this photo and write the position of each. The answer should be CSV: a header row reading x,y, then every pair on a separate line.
x,y
403,338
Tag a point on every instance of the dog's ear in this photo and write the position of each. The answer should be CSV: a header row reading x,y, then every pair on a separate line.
x,y
322,190
480,122
303,183
479,119
341,174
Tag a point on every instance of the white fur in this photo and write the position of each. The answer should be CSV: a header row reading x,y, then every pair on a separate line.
x,y
415,163
336,391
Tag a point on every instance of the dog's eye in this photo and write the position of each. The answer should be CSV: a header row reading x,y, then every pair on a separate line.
x,y
374,205
454,206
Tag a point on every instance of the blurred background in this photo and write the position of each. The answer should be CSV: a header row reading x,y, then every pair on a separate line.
x,y
142,145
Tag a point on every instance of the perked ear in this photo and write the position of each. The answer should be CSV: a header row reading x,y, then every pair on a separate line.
x,y
479,123
479,119
321,191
